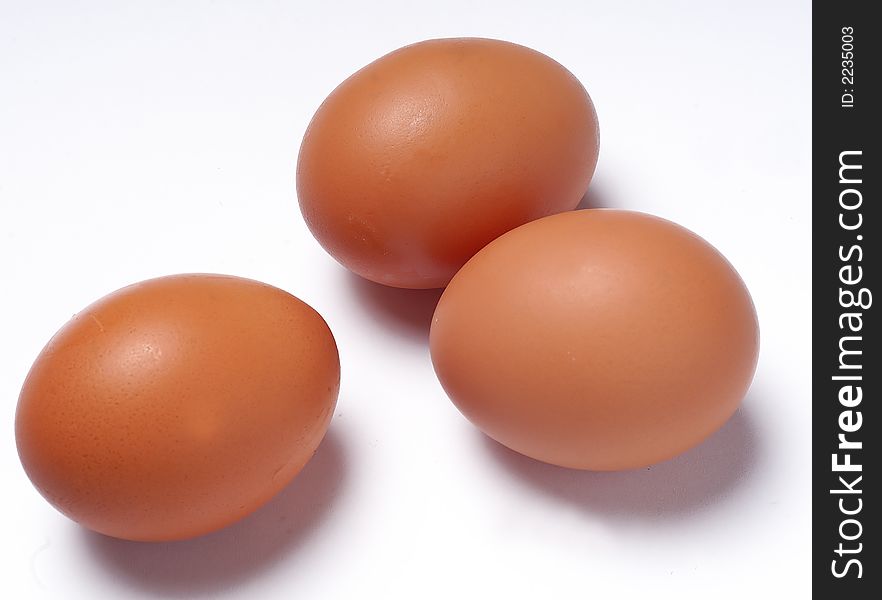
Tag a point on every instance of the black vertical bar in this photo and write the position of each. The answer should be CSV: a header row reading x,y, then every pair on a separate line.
x,y
847,369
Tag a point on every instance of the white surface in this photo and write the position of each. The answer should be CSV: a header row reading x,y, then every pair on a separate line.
x,y
139,139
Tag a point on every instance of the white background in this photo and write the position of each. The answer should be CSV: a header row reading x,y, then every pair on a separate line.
x,y
139,139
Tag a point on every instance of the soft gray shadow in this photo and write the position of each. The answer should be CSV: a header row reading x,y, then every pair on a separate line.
x,y
407,313
596,197
684,485
206,565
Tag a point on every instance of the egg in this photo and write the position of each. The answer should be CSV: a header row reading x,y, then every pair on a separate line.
x,y
422,157
175,406
596,339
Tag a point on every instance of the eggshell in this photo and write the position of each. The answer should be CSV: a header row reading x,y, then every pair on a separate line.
x,y
596,339
422,157
175,406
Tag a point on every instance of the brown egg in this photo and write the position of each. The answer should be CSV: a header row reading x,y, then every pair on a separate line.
x,y
175,406
424,156
596,339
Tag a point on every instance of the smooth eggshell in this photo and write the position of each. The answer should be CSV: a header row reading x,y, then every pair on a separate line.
x,y
175,406
596,339
422,157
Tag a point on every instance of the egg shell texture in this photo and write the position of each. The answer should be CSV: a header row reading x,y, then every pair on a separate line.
x,y
422,157
177,405
596,339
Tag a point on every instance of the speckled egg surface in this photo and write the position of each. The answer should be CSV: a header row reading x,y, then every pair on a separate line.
x,y
177,405
421,158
